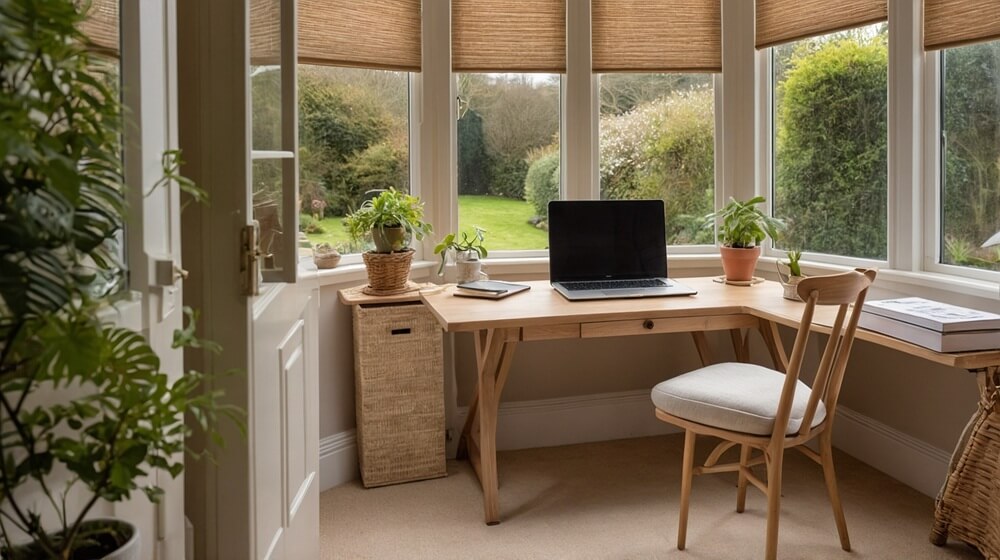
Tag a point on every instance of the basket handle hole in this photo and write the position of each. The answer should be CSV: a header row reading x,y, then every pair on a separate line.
x,y
405,330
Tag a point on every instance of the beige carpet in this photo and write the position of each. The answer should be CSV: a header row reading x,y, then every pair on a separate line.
x,y
618,500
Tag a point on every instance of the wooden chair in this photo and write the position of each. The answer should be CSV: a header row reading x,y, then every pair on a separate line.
x,y
760,408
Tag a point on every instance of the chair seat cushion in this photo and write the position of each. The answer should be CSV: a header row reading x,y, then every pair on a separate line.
x,y
733,396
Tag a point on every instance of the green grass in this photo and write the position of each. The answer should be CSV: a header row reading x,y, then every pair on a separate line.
x,y
505,221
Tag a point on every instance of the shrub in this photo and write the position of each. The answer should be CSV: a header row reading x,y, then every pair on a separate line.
x,y
830,160
507,175
541,183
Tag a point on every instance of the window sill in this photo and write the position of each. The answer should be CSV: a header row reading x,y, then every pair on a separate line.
x,y
953,289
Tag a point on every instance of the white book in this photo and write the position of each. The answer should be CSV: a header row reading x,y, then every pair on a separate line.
x,y
934,315
959,341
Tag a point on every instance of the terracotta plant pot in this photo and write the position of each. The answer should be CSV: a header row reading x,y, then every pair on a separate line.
x,y
739,263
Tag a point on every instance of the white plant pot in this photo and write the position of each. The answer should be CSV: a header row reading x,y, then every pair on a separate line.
x,y
469,271
131,550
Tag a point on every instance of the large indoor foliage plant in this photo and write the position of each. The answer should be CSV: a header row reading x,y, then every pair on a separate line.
x,y
86,412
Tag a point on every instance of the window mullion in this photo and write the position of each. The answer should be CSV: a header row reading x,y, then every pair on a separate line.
x,y
578,107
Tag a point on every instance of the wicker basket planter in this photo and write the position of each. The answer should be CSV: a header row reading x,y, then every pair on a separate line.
x,y
388,272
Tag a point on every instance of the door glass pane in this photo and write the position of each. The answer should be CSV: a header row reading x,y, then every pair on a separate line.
x,y
267,205
658,142
508,157
830,172
970,155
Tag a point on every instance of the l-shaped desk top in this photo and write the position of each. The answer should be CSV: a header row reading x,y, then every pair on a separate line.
x,y
541,313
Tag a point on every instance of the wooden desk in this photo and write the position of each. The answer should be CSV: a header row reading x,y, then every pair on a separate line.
x,y
542,314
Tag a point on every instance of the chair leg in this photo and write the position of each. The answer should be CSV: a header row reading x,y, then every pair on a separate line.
x,y
826,454
774,464
687,473
741,486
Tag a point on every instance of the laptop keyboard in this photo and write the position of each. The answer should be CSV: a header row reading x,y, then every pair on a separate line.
x,y
615,284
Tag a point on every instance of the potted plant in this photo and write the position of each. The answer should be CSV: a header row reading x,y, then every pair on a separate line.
x,y
326,255
743,228
392,219
83,403
468,251
790,279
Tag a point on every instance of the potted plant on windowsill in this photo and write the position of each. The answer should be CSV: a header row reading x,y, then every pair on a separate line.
x,y
468,251
743,228
792,275
83,404
392,219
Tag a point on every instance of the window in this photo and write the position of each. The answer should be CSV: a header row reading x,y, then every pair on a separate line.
x,y
508,156
353,139
970,154
657,140
829,167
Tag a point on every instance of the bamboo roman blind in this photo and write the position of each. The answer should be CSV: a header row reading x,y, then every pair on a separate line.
x,y
383,34
784,21
101,26
949,23
656,36
508,35
265,32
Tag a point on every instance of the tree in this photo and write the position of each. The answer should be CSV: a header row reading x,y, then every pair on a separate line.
x,y
830,158
473,159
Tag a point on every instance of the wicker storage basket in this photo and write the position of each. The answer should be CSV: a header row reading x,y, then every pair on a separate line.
x,y
388,272
399,393
968,507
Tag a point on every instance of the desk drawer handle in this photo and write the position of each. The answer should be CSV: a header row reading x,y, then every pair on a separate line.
x,y
400,331
647,324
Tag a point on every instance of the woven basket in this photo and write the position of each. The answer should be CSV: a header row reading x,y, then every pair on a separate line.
x,y
326,260
388,272
968,507
399,394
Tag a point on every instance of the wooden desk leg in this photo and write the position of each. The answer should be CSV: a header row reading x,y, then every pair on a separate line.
x,y
496,347
701,343
769,330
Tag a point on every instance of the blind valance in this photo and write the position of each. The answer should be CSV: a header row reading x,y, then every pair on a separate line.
x,y
949,23
381,34
101,26
784,21
656,36
508,35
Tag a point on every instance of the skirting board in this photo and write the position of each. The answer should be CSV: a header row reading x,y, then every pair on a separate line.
x,y
338,459
909,460
629,414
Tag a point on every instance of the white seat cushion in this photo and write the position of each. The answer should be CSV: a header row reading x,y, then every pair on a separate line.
x,y
733,396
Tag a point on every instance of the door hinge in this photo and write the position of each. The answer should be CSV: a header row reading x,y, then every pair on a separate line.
x,y
250,259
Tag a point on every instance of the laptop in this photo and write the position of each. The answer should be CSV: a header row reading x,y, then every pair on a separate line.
x,y
605,249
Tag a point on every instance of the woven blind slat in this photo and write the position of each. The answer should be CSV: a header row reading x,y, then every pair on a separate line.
x,y
101,26
508,35
381,34
784,21
949,23
656,36
265,32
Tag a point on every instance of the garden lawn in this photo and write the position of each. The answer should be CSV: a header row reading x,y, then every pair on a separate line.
x,y
505,221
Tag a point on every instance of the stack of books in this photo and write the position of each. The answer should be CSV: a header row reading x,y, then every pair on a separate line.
x,y
490,289
932,324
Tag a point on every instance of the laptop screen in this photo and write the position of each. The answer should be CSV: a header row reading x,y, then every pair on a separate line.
x,y
606,240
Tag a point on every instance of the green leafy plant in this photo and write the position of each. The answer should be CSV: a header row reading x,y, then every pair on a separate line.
x,y
83,403
793,262
467,244
391,209
743,224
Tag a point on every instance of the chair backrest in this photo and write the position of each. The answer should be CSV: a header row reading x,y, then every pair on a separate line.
x,y
843,290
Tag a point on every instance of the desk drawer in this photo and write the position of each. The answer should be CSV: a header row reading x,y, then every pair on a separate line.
x,y
666,325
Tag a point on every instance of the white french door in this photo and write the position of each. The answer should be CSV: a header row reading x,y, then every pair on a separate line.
x,y
239,139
